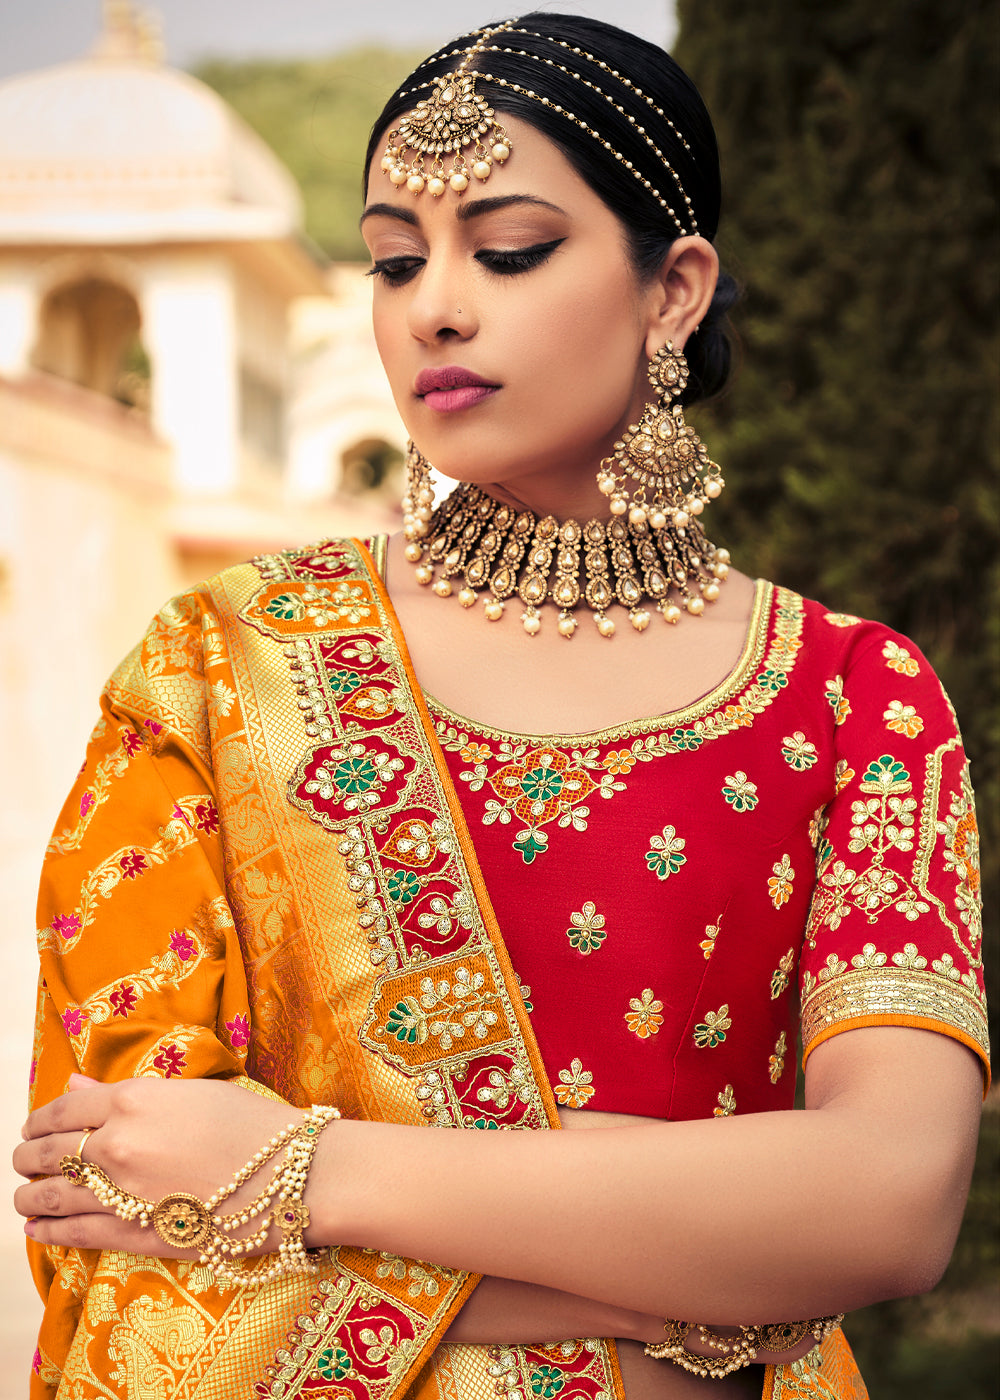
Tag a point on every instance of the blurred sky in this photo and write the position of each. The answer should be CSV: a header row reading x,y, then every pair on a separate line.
x,y
35,33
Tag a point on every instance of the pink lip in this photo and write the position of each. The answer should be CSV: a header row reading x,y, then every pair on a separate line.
x,y
450,377
449,400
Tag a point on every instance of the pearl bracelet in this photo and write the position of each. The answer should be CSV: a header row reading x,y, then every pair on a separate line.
x,y
735,1352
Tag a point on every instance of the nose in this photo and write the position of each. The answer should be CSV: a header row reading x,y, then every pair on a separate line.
x,y
442,304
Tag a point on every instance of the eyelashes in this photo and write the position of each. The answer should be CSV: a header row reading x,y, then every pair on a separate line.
x,y
500,262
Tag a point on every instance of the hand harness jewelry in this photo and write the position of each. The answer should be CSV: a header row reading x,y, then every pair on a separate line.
x,y
184,1221
455,115
739,1351
652,545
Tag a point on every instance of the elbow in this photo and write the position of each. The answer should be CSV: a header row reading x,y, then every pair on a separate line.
x,y
922,1228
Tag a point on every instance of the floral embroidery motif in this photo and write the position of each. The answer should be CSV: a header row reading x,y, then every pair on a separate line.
x,y
123,999
837,700
961,855
169,1060
588,931
740,792
402,886
897,658
712,1031
355,773
333,1364
903,719
420,1278
72,1019
576,1086
444,1010
881,823
665,857
798,752
781,974
618,761
726,1103
644,1019
909,959
779,885
707,944
842,774
772,680
776,1064
841,619
547,1381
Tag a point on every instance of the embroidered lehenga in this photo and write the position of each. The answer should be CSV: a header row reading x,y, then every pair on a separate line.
x,y
282,864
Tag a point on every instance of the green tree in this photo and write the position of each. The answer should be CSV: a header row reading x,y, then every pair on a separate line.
x,y
859,150
316,116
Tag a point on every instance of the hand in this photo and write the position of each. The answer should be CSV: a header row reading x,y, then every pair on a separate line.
x,y
152,1137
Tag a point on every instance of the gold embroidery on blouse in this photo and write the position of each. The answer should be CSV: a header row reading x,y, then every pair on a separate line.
x,y
587,930
782,973
712,1031
644,1019
779,884
837,700
898,659
904,994
726,1103
776,1063
576,1085
707,944
903,719
798,751
841,619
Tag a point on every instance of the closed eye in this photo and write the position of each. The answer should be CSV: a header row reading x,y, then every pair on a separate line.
x,y
506,262
395,271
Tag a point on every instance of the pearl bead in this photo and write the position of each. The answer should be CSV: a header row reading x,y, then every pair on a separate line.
x,y
681,519
493,609
424,573
619,505
413,552
696,506
722,556
710,592
605,625
695,606
398,175
713,487
424,514
658,520
459,182
435,186
500,151
467,597
672,614
443,588
532,623
637,515
415,184
721,571
606,485
566,625
482,169
639,619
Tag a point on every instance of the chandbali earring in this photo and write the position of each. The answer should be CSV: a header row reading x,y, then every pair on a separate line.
x,y
418,507
663,455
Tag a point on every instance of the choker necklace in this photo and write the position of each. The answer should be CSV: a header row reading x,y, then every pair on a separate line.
x,y
500,551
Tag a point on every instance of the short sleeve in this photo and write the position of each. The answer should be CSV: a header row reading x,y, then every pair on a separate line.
x,y
894,931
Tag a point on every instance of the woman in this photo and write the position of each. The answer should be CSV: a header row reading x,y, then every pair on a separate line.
x,y
291,864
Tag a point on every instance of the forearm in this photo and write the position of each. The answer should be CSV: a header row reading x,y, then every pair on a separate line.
x,y
763,1218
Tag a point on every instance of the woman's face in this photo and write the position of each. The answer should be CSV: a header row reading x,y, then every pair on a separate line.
x,y
521,288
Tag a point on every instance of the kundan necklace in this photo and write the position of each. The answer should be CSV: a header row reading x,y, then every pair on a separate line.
x,y
502,552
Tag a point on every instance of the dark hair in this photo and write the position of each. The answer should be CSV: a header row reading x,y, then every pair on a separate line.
x,y
648,225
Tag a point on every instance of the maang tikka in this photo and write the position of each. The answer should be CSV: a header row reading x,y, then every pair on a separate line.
x,y
652,544
454,117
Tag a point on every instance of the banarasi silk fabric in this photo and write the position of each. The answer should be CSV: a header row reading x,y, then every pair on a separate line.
x,y
264,873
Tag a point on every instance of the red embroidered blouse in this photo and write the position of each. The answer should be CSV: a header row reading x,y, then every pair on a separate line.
x,y
667,889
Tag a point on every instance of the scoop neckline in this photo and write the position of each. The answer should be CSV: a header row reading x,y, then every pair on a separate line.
x,y
751,655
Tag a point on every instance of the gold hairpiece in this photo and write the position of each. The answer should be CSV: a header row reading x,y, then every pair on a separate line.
x,y
414,177
453,117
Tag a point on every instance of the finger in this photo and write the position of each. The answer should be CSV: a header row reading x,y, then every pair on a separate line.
x,y
84,1108
42,1156
99,1232
81,1081
51,1195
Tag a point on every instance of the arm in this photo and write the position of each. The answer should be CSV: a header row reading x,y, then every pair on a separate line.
x,y
723,1220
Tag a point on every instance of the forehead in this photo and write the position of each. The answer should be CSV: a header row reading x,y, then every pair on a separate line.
x,y
535,167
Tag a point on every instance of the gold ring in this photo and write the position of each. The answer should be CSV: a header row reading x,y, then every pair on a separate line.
x,y
83,1142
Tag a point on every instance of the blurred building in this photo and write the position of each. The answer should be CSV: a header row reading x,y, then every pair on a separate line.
x,y
184,381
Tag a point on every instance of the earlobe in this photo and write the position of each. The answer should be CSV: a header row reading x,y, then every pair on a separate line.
x,y
682,293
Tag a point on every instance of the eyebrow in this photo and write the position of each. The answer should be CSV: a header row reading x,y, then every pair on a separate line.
x,y
473,209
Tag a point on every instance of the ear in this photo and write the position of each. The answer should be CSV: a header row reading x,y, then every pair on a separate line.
x,y
681,292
